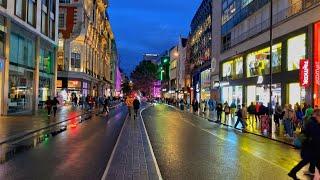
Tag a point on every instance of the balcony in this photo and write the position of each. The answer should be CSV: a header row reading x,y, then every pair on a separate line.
x,y
278,18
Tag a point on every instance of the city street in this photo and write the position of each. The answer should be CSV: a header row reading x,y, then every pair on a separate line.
x,y
189,147
81,152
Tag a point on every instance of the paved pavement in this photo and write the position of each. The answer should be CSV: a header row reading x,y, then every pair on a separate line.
x,y
81,152
253,126
132,157
189,147
21,124
13,126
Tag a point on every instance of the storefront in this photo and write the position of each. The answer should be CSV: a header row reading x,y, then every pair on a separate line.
x,y
232,94
205,85
316,66
288,54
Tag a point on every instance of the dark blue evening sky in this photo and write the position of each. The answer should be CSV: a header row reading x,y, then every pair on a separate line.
x,y
148,26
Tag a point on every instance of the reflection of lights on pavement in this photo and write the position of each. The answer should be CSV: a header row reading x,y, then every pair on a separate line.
x,y
73,125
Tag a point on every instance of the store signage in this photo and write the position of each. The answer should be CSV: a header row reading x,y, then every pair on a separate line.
x,y
304,73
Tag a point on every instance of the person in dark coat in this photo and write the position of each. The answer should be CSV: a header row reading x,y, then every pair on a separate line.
x,y
195,105
219,109
49,105
55,103
136,107
310,146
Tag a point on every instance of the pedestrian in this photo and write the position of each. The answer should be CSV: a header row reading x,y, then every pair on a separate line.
x,y
288,117
136,107
278,115
244,114
195,106
226,111
233,107
55,103
49,105
106,105
299,117
129,103
310,146
251,112
257,115
307,116
240,118
219,110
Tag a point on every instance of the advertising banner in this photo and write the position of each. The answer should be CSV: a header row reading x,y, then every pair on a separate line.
x,y
316,63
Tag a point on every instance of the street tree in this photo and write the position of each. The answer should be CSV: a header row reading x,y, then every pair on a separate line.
x,y
144,76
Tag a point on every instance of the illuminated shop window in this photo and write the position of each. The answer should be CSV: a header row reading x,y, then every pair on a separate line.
x,y
296,94
296,51
258,62
227,69
233,68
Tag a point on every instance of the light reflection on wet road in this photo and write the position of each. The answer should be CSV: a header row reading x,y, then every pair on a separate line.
x,y
81,152
187,147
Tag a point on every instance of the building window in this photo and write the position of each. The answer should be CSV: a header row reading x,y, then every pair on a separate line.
x,y
22,51
44,23
20,8
258,61
46,61
3,3
227,69
233,69
64,1
31,11
75,60
296,51
2,36
51,28
62,20
53,6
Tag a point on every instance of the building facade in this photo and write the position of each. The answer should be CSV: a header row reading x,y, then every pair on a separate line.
x,y
181,81
245,52
173,73
201,47
28,41
87,53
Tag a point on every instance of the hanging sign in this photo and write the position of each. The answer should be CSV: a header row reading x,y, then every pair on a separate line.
x,y
305,73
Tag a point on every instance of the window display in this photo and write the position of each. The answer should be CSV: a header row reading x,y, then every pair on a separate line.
x,y
205,85
296,51
233,69
296,94
45,86
258,62
227,69
262,94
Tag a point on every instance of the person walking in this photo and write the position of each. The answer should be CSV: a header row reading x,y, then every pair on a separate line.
x,y
49,105
299,117
240,118
288,117
219,110
257,115
226,112
195,106
310,146
55,103
233,108
278,115
136,107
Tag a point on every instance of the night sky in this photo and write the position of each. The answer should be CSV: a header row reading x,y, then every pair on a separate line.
x,y
148,26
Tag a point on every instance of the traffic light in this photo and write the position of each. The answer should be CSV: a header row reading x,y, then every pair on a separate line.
x,y
165,60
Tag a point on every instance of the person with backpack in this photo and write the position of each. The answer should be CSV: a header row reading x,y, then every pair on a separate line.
x,y
226,112
289,116
251,112
219,110
136,107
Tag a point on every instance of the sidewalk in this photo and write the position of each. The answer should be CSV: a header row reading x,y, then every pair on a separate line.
x,y
132,157
253,127
21,124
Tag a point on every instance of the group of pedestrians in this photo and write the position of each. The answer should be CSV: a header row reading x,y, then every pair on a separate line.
x,y
52,104
133,105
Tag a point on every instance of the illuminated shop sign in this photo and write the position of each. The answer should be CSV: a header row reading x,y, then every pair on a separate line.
x,y
316,56
304,73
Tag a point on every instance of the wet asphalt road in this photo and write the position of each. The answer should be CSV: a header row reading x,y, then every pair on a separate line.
x,y
78,153
188,147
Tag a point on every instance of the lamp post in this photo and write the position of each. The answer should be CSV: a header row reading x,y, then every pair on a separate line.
x,y
270,65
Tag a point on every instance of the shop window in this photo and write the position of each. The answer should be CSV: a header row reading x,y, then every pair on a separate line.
x,y
31,12
232,95
227,69
296,51
258,62
261,94
3,3
46,61
75,60
296,94
22,51
20,8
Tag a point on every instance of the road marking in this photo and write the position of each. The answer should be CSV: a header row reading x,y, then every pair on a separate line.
x,y
205,130
113,151
150,146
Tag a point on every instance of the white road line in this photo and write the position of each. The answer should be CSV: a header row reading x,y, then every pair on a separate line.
x,y
150,146
113,151
207,131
